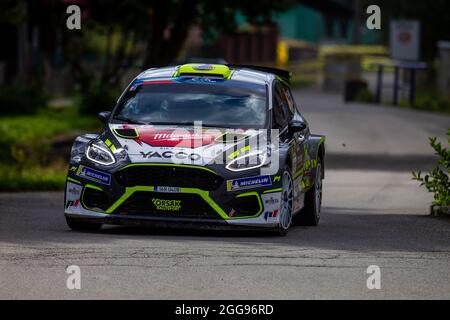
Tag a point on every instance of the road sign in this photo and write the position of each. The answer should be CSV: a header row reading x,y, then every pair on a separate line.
x,y
405,40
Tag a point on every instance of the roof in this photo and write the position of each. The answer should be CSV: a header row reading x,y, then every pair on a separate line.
x,y
253,74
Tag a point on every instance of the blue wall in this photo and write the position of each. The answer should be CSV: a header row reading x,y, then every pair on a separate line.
x,y
304,23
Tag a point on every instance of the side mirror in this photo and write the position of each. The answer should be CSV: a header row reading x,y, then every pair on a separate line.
x,y
104,116
297,126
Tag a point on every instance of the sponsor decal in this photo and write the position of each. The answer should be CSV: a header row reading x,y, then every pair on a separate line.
x,y
277,179
167,205
194,79
94,175
272,201
170,154
310,164
153,82
305,184
236,153
168,189
248,183
72,204
74,191
73,169
174,138
272,215
110,145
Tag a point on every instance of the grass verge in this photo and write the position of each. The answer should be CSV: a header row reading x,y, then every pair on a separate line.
x,y
27,162
31,179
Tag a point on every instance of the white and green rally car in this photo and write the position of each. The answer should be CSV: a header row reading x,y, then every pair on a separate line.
x,y
199,146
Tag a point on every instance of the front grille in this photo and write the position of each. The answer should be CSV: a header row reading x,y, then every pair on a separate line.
x,y
145,204
182,177
96,199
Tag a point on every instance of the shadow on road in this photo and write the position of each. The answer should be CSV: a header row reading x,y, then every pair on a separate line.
x,y
341,229
348,229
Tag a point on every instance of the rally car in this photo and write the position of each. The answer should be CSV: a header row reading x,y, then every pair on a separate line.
x,y
199,145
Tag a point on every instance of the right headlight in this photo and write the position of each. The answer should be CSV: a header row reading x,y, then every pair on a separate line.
x,y
248,162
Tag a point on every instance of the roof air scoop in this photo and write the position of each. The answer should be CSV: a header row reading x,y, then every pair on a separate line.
x,y
204,70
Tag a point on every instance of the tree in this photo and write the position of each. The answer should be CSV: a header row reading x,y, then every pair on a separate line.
x,y
158,26
162,26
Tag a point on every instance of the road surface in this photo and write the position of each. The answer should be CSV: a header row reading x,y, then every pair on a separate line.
x,y
373,215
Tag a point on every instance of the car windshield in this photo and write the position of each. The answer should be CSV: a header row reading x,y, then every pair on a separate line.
x,y
214,102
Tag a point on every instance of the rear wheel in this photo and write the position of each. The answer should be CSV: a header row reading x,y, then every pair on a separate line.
x,y
83,226
287,197
310,214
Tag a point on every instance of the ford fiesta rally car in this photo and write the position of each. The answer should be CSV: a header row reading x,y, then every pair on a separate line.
x,y
199,146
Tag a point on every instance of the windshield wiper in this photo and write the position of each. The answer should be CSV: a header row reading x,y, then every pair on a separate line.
x,y
128,120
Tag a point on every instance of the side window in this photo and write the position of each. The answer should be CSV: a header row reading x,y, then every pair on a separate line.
x,y
288,98
280,108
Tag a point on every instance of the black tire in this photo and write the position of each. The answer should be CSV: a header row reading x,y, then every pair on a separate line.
x,y
310,214
287,198
76,225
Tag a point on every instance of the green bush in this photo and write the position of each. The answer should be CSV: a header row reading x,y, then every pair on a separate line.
x,y
429,100
20,99
434,103
96,96
27,161
365,96
26,140
437,181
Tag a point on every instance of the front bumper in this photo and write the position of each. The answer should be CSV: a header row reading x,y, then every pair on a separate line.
x,y
181,206
181,223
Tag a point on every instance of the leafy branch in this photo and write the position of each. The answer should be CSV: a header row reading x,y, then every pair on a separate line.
x,y
437,181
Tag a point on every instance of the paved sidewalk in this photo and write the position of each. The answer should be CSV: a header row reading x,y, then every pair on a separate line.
x,y
366,129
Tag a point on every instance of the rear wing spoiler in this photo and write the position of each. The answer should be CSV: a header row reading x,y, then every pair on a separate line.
x,y
283,74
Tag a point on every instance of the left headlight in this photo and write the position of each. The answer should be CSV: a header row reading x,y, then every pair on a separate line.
x,y
98,152
248,162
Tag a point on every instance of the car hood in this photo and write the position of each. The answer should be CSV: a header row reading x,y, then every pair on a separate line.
x,y
176,144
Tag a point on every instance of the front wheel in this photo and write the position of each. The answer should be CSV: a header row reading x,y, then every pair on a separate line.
x,y
76,225
287,197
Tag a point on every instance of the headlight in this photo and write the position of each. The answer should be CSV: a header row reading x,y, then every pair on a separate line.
x,y
100,154
248,162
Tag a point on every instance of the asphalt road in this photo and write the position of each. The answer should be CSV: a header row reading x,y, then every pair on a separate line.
x,y
373,215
